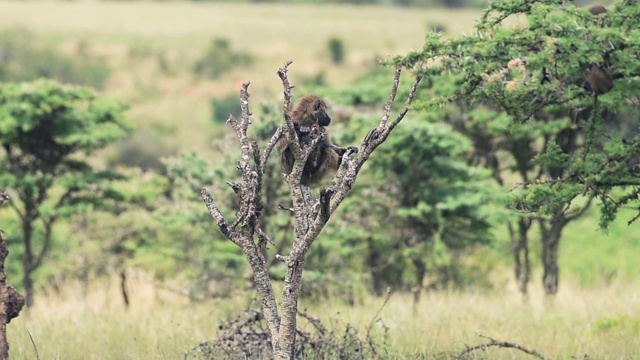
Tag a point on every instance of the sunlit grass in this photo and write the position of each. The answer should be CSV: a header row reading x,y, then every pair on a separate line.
x,y
601,322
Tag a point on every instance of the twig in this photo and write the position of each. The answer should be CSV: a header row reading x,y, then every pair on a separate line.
x,y
373,321
386,300
290,131
267,150
500,344
392,97
314,321
282,207
218,217
34,345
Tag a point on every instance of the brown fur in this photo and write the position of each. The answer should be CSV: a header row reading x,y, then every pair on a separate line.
x,y
597,10
310,113
598,79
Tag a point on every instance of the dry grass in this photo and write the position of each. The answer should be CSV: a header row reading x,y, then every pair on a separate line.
x,y
603,323
181,31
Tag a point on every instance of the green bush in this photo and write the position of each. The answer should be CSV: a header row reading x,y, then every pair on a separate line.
x,y
220,58
225,106
336,49
141,152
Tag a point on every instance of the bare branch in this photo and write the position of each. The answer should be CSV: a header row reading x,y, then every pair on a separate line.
x,y
244,106
267,150
289,129
282,207
313,321
500,344
386,300
403,112
262,236
218,217
375,319
375,137
392,97
235,186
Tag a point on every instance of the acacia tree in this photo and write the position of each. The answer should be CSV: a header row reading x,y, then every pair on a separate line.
x,y
564,81
310,214
46,131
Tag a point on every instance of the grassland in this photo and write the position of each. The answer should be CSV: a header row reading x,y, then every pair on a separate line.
x,y
179,32
600,322
601,319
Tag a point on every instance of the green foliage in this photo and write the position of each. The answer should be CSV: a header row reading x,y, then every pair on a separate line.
x,y
46,122
47,130
220,58
142,151
436,189
25,58
207,262
229,104
372,88
535,72
424,208
336,49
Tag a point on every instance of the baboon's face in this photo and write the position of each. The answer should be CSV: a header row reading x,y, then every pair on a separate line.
x,y
320,113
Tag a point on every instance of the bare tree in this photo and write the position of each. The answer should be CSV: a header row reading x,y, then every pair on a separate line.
x,y
310,214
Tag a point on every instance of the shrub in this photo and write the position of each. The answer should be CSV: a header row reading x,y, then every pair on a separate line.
x,y
225,106
336,50
220,58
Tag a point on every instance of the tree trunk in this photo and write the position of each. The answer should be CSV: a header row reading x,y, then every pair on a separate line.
x,y
10,301
550,246
289,305
123,287
27,261
520,248
421,271
373,263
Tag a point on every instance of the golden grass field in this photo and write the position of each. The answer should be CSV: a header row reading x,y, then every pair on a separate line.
x,y
601,321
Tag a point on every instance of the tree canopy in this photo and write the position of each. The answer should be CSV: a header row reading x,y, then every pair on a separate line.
x,y
47,129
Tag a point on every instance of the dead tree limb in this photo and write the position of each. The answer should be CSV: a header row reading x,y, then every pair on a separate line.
x,y
311,214
499,344
11,302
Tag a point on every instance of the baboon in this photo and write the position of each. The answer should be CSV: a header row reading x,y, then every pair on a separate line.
x,y
599,80
597,10
310,119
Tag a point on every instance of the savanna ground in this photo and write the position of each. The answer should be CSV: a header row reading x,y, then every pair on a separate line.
x,y
597,311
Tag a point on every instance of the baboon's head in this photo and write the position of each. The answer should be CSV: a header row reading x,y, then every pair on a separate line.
x,y
311,110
